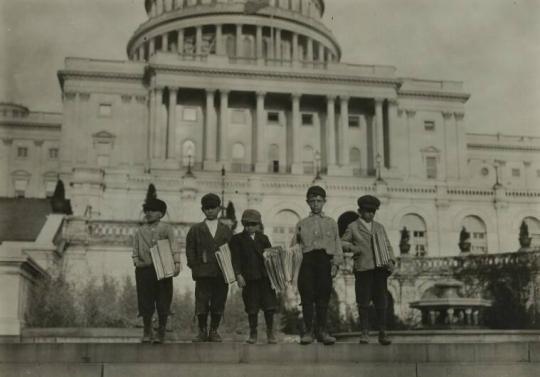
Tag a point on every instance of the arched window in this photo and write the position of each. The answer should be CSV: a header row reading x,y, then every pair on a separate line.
x,y
534,230
273,154
188,153
283,227
308,159
477,228
418,236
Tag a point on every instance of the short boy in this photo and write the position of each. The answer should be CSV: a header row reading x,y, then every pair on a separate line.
x,y
202,242
318,237
373,262
153,294
247,255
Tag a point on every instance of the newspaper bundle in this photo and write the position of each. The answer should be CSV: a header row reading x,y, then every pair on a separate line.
x,y
162,259
282,266
223,256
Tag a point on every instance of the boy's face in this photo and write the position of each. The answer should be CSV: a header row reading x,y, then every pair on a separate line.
x,y
367,214
211,213
152,216
316,203
251,228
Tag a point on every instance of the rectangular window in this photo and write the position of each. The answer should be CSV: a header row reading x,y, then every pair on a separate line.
x,y
53,153
307,119
105,109
516,172
431,167
22,152
272,117
275,166
429,125
354,121
238,116
189,114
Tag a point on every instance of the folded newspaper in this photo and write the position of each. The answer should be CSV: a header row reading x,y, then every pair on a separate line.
x,y
162,259
283,266
223,256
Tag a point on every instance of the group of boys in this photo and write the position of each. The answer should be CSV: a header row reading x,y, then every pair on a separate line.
x,y
318,237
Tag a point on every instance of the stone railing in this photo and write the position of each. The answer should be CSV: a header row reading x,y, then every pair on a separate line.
x,y
78,230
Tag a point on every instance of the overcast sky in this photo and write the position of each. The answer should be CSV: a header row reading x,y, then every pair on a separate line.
x,y
491,45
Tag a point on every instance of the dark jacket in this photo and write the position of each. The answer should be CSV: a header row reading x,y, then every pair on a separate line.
x,y
247,255
201,248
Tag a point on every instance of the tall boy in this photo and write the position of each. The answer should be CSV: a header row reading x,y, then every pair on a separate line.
x,y
318,236
374,261
153,294
247,251
202,242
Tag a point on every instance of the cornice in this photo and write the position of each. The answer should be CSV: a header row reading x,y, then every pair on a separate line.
x,y
503,147
434,94
29,124
316,76
117,76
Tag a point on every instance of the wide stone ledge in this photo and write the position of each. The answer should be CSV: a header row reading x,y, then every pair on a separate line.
x,y
290,354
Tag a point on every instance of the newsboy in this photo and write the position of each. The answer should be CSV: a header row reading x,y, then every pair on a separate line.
x,y
374,261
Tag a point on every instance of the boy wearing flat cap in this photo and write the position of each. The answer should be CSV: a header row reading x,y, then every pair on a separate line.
x,y
374,261
153,294
318,237
247,256
202,242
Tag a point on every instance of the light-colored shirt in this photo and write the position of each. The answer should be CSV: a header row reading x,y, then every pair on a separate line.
x,y
319,232
212,226
369,226
146,237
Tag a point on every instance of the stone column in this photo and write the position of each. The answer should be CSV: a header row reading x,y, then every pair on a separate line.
x,y
38,157
277,45
408,161
141,52
295,47
343,145
379,134
170,151
224,127
309,51
211,130
320,56
296,151
151,47
461,145
261,164
393,134
238,40
330,131
180,41
159,7
219,40
157,149
198,41
259,42
165,42
5,163
450,157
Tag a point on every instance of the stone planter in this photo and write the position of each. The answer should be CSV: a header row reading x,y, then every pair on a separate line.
x,y
404,248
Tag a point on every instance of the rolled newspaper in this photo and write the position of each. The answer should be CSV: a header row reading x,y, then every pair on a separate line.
x,y
282,266
223,256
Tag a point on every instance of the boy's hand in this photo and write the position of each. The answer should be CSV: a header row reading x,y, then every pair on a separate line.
x,y
334,270
240,280
391,266
177,268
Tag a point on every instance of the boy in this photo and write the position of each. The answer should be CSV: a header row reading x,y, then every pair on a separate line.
x,y
247,255
202,242
318,236
153,294
373,262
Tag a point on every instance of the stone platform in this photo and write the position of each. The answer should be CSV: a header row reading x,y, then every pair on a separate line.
x,y
226,359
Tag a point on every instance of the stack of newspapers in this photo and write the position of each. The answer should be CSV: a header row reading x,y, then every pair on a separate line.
x,y
282,266
162,259
223,256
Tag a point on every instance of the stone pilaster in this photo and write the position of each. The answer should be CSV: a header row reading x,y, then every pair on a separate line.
x,y
261,163
296,150
170,152
461,145
379,133
219,40
330,132
224,127
450,150
410,114
210,131
343,145
180,41
238,40
198,40
165,42
258,41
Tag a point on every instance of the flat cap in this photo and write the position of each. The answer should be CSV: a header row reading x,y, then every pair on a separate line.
x,y
251,216
210,201
316,191
155,205
368,202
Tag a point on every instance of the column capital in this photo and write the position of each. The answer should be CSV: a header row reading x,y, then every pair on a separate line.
x,y
447,114
379,100
210,91
410,113
260,93
392,101
459,115
344,98
331,97
224,92
296,95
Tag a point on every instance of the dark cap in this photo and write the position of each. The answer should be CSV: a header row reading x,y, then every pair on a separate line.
x,y
316,191
251,216
210,201
368,202
155,205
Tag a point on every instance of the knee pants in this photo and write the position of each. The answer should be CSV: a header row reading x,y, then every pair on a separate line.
x,y
315,278
152,294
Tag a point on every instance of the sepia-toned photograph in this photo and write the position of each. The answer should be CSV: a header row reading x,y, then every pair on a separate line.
x,y
262,188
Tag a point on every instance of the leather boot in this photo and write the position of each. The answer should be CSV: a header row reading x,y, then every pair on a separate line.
x,y
307,336
161,330
252,319
213,335
322,333
269,319
147,330
202,336
364,325
384,339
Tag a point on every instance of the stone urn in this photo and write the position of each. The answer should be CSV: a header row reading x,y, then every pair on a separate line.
x,y
465,246
464,241
404,245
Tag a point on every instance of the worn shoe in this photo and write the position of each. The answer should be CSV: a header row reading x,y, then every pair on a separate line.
x,y
364,337
201,336
325,338
306,339
252,337
214,336
160,336
271,337
147,334
384,339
